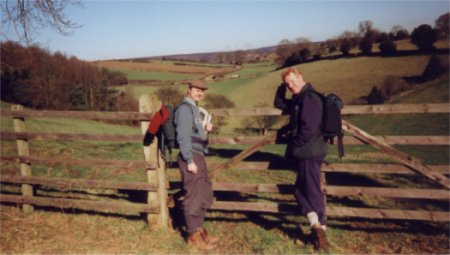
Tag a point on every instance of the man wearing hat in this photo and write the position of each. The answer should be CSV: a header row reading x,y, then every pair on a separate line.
x,y
193,141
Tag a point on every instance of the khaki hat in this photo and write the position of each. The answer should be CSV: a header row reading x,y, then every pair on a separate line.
x,y
198,84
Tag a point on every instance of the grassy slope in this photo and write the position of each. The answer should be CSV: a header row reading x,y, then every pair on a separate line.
x,y
411,124
159,76
351,78
137,90
162,70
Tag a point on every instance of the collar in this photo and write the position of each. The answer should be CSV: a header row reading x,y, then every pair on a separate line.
x,y
189,101
305,88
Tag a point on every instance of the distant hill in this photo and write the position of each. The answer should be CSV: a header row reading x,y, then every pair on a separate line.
x,y
268,53
259,54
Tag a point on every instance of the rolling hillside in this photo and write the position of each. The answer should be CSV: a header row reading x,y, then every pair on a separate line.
x,y
350,78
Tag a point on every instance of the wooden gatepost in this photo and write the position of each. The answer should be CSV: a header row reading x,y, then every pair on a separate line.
x,y
155,168
23,151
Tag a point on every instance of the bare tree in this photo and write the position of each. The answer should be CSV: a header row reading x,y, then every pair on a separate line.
x,y
399,33
350,37
367,31
365,27
284,49
239,57
302,43
442,25
29,16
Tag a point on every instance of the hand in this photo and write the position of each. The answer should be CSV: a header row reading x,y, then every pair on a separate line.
x,y
281,90
148,139
208,127
192,168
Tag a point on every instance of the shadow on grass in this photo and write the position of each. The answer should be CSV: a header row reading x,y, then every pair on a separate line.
x,y
281,222
132,217
351,179
276,162
257,156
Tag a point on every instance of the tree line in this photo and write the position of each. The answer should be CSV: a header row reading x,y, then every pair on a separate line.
x,y
290,53
35,78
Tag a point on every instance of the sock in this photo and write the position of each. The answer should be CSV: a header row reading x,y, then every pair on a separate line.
x,y
313,218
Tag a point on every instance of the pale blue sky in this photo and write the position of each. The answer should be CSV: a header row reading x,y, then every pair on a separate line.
x,y
126,29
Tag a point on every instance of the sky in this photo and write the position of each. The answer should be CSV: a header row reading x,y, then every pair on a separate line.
x,y
128,29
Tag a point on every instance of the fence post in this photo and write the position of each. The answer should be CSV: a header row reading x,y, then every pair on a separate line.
x,y
23,151
163,186
156,172
323,179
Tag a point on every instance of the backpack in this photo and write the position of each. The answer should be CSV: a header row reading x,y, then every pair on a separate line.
x,y
162,125
168,134
168,129
331,123
331,126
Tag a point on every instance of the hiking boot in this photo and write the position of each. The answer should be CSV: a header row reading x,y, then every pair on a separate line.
x,y
196,240
208,238
319,238
301,239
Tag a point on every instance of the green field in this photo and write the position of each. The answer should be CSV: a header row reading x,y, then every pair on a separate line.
x,y
155,76
350,78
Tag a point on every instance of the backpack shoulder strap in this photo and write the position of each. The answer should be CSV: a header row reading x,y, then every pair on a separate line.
x,y
319,95
296,108
185,103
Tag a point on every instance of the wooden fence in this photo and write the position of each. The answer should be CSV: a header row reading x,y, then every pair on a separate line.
x,y
157,184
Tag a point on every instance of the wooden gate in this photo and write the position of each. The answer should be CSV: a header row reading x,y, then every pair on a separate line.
x,y
157,183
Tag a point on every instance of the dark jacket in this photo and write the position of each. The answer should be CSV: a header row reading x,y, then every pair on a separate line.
x,y
305,109
189,129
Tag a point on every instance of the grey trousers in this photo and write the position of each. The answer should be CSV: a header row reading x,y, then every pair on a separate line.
x,y
308,190
198,192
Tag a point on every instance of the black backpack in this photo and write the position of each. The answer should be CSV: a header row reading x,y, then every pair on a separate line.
x,y
168,136
331,126
168,129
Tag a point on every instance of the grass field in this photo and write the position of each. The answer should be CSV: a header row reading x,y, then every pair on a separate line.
x,y
351,78
157,76
163,70
163,66
70,231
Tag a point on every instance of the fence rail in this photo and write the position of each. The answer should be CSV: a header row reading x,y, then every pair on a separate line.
x,y
93,115
334,211
66,203
337,167
392,140
338,191
68,184
347,110
125,164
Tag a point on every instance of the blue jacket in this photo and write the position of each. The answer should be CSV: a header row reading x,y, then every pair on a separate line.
x,y
191,135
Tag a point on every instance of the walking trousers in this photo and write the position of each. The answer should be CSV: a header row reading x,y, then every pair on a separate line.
x,y
308,190
198,192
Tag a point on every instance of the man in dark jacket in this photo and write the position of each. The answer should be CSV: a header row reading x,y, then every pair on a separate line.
x,y
307,147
